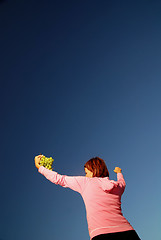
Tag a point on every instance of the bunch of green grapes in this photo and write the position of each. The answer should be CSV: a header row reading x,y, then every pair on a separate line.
x,y
46,162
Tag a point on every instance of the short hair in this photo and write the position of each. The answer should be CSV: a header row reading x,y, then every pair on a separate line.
x,y
97,166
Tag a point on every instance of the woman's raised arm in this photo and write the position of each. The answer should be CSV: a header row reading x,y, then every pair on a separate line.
x,y
76,183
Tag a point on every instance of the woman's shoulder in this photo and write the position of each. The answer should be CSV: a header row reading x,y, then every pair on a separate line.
x,y
106,184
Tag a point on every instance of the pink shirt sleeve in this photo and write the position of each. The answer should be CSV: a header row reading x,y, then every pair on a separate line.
x,y
75,183
121,181
109,185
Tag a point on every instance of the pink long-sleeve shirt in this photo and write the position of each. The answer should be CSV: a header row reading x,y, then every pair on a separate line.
x,y
102,198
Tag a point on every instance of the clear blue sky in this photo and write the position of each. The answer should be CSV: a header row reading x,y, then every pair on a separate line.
x,y
79,79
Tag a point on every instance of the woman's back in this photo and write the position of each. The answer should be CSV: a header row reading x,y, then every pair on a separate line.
x,y
102,199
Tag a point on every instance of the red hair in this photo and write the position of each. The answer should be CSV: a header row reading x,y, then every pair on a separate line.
x,y
97,166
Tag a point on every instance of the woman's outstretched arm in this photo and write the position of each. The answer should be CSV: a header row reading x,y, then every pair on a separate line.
x,y
75,183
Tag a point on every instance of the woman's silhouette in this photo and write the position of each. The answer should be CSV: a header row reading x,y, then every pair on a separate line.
x,y
102,198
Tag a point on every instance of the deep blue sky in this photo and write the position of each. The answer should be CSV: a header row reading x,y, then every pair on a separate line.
x,y
79,79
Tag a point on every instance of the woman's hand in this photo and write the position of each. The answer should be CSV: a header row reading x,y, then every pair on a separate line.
x,y
117,170
37,161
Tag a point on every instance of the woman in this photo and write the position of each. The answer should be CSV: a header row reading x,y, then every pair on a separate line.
x,y
102,198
